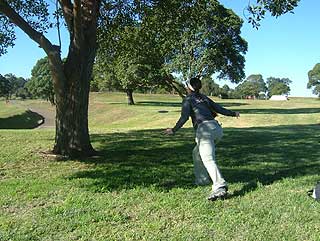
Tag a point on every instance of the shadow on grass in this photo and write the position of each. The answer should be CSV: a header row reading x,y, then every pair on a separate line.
x,y
270,111
248,155
178,104
140,158
268,154
26,120
159,103
281,111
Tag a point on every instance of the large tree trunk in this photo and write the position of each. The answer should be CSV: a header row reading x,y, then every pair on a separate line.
x,y
71,80
130,96
72,85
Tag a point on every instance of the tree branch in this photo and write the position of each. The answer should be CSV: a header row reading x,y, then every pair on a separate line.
x,y
77,24
170,82
97,5
36,36
90,16
67,6
90,12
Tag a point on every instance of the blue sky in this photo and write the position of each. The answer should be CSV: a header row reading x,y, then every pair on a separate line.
x,y
284,47
287,46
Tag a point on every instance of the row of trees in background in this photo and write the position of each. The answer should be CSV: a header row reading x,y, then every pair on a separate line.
x,y
10,85
40,86
254,86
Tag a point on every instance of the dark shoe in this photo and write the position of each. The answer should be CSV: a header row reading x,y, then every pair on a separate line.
x,y
221,193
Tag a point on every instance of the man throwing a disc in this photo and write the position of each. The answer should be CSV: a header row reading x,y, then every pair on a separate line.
x,y
208,131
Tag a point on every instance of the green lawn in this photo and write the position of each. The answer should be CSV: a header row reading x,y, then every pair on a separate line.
x,y
141,187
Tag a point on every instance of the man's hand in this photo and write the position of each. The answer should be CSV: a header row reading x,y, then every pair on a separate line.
x,y
168,131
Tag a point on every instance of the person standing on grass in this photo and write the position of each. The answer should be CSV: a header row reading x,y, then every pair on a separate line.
x,y
208,132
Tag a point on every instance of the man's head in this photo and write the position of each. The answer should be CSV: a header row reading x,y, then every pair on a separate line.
x,y
194,84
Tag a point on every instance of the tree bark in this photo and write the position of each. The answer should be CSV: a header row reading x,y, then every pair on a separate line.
x,y
71,80
72,132
72,87
130,97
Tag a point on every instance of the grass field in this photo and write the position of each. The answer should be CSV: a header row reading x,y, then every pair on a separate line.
x,y
141,187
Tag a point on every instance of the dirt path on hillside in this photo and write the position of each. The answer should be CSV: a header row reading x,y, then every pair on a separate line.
x,y
42,108
47,113
49,117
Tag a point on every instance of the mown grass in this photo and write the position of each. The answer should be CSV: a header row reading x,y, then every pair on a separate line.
x,y
141,187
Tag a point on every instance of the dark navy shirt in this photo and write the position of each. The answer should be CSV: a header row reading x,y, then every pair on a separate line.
x,y
200,108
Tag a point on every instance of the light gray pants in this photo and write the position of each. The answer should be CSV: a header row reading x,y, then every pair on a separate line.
x,y
205,167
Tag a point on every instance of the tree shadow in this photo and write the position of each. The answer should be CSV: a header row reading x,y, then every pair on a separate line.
x,y
178,104
26,120
140,158
267,154
281,111
248,155
231,104
159,103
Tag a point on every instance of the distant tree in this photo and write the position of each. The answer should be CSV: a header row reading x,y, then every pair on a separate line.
x,y
225,91
15,83
278,86
207,41
40,84
103,78
139,62
314,79
19,83
136,63
235,94
187,38
209,87
252,86
258,80
245,89
23,93
128,57
4,87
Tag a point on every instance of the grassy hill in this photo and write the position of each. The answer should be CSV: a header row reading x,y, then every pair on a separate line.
x,y
141,188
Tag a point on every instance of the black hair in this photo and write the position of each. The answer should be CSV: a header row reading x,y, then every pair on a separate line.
x,y
195,82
